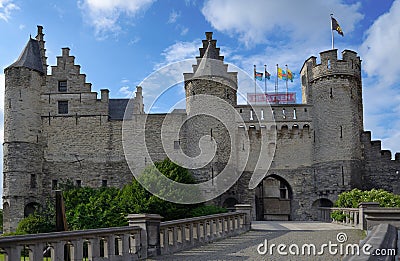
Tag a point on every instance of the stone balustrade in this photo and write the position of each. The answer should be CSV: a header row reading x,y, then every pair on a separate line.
x,y
351,216
365,217
112,244
145,236
178,235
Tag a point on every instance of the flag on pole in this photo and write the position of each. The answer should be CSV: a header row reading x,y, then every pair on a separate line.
x,y
282,74
267,75
290,75
336,26
258,75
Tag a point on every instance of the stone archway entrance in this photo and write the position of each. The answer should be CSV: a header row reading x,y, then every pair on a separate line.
x,y
273,199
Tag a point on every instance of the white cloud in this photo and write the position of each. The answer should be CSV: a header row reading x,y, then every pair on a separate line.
x,y
380,53
252,21
173,16
6,7
104,14
380,49
126,91
180,51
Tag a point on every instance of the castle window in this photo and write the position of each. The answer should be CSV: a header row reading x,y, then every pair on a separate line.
x,y
79,183
262,114
240,111
331,93
177,144
329,64
62,86
251,115
294,114
283,113
62,107
54,184
104,183
33,180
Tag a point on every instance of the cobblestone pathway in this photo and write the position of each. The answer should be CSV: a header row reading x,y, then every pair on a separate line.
x,y
244,247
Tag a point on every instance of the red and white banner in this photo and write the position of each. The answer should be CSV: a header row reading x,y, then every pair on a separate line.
x,y
274,98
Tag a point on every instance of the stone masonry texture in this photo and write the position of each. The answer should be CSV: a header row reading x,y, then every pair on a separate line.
x,y
57,129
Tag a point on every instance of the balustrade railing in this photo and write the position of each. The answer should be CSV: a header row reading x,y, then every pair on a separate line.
x,y
183,234
120,243
144,237
344,216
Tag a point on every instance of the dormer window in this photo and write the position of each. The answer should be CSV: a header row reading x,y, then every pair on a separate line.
x,y
62,86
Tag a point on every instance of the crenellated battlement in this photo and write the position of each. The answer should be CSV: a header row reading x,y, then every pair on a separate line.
x,y
330,66
289,113
373,149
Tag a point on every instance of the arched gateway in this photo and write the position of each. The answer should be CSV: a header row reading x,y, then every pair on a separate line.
x,y
273,198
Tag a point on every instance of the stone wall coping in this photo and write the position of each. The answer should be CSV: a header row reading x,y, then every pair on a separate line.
x,y
382,210
58,236
368,204
332,208
199,219
134,217
382,236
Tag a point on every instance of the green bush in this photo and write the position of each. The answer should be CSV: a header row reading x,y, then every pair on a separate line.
x,y
87,208
206,210
352,198
339,216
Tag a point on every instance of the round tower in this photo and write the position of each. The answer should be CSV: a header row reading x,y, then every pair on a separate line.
x,y
334,89
22,150
210,78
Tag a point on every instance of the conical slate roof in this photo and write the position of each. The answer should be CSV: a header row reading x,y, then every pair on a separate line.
x,y
30,57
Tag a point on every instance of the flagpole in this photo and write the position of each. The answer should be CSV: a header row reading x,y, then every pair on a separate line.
x,y
276,82
265,78
333,39
287,89
255,86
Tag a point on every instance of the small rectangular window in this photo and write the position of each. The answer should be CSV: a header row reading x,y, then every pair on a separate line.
x,y
33,180
62,86
79,183
177,144
54,184
62,107
104,183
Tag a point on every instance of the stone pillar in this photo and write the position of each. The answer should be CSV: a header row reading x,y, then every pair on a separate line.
x,y
362,219
150,234
245,208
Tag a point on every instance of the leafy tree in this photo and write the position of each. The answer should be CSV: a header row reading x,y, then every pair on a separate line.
x,y
41,221
88,208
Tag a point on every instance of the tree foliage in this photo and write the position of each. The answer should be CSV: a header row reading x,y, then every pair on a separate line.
x,y
41,221
88,208
351,199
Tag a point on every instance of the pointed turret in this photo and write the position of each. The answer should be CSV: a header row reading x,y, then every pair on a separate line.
x,y
30,57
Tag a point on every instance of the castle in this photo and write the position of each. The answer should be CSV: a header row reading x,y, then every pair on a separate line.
x,y
55,128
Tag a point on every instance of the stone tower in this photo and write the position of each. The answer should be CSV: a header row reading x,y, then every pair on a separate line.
x,y
210,77
23,150
334,88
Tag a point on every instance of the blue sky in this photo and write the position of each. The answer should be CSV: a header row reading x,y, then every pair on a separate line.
x,y
119,43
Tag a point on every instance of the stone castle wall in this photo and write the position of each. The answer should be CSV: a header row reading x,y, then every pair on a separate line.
x,y
319,148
